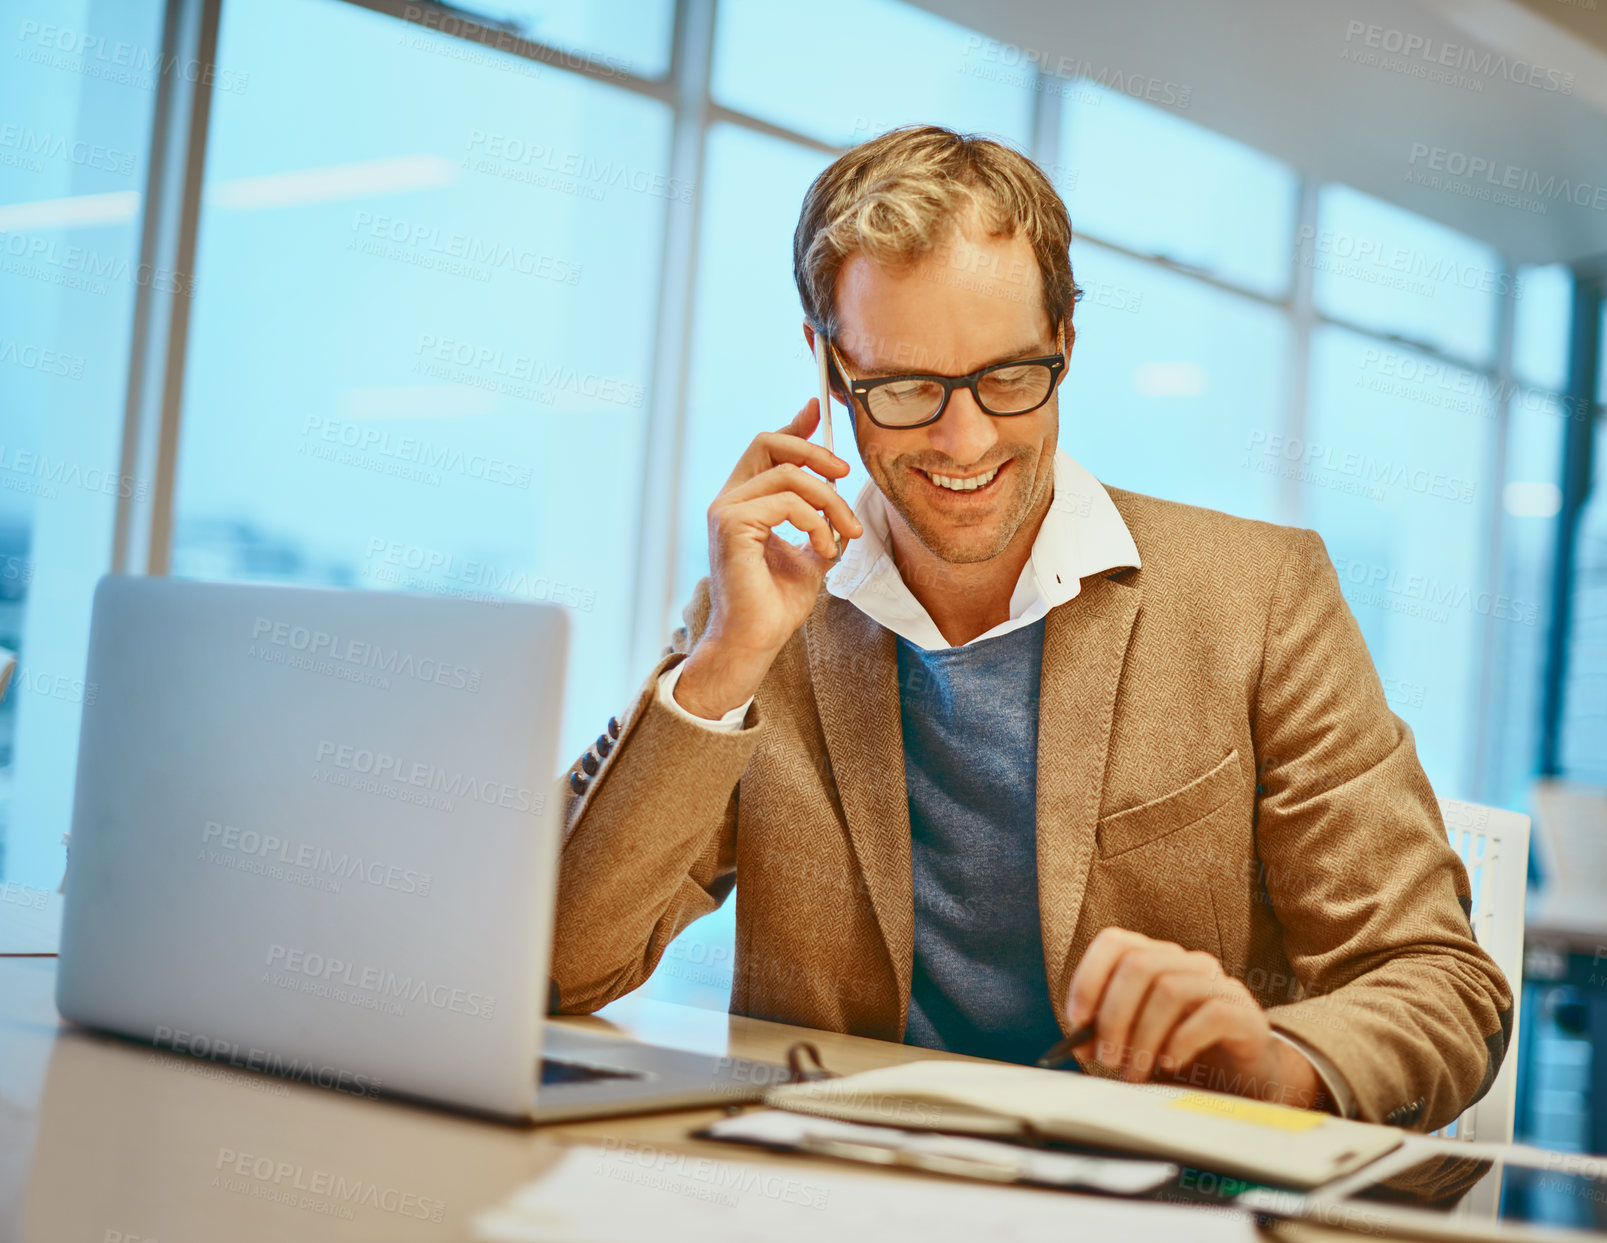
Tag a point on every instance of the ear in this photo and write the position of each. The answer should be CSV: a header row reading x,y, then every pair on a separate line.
x,y
809,335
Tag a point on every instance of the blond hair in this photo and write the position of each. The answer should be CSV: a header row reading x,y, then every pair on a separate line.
x,y
899,195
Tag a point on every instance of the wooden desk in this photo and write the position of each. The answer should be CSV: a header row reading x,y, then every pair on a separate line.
x,y
99,1135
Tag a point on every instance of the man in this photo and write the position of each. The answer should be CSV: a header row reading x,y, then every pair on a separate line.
x,y
1027,753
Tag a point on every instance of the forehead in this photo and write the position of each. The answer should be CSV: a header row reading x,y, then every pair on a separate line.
x,y
969,301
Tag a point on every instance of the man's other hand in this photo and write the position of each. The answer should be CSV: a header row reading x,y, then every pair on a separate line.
x,y
1168,1013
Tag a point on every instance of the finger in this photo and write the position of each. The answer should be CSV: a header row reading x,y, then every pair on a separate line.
x,y
1124,997
1093,973
802,423
1201,1031
761,514
788,446
789,477
1214,1021
1172,997
790,443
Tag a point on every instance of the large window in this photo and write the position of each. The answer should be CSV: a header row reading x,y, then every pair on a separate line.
x,y
74,140
434,345
422,340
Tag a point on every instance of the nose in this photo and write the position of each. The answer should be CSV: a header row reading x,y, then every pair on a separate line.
x,y
966,432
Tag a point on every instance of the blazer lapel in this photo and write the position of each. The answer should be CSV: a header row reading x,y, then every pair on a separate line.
x,y
1084,649
853,664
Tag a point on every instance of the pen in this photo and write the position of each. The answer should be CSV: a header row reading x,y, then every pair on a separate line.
x,y
1061,1053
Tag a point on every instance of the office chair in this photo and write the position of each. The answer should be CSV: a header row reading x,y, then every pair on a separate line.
x,y
1494,846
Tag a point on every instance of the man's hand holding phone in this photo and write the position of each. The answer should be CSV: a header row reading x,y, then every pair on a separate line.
x,y
761,587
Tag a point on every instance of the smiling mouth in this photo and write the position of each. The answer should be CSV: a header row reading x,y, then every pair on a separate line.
x,y
963,485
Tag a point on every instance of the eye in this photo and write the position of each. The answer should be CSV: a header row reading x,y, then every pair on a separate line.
x,y
1012,376
908,390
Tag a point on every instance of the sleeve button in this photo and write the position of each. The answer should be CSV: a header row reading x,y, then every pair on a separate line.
x,y
578,782
589,763
613,727
605,744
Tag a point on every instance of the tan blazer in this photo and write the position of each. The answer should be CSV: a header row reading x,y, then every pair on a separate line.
x,y
1217,766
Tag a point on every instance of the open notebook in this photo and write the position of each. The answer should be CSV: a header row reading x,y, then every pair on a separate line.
x,y
1229,1134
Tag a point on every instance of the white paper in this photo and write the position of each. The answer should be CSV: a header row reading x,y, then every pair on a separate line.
x,y
636,1191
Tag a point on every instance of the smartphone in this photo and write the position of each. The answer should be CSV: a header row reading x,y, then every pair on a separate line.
x,y
822,359
822,356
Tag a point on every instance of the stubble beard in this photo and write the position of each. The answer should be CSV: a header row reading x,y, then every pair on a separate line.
x,y
971,543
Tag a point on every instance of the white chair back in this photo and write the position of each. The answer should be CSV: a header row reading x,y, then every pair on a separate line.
x,y
1494,846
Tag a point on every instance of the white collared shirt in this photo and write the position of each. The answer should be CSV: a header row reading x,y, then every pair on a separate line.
x,y
1081,534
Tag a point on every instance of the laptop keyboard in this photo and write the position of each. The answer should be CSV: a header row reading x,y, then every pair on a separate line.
x,y
554,1072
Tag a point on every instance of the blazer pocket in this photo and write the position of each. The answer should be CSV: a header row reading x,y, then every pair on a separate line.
x,y
1138,826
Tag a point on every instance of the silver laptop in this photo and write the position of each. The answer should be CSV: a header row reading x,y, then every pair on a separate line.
x,y
314,834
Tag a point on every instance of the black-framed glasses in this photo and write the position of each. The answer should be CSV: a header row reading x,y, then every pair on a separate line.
x,y
1002,389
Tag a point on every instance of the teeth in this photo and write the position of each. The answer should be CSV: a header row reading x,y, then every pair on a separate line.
x,y
963,485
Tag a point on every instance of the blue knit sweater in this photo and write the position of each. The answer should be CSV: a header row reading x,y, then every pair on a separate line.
x,y
970,724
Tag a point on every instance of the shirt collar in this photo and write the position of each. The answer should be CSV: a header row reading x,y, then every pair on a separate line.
x,y
1082,534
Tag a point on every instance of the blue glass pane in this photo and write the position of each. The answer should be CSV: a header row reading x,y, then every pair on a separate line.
x,y
1390,271
1136,175
1175,387
1584,712
76,97
845,70
1395,460
1540,325
411,363
629,36
1601,360
1530,501
750,368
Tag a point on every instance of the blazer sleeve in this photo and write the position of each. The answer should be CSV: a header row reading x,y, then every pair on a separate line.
x,y
1373,901
649,843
